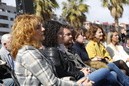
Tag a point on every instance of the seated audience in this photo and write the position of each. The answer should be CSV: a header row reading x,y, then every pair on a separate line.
x,y
65,40
96,50
32,68
64,65
6,56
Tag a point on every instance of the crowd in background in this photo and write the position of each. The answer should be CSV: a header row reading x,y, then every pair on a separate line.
x,y
49,53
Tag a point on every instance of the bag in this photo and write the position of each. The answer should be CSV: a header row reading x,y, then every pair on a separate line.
x,y
6,72
96,64
3,71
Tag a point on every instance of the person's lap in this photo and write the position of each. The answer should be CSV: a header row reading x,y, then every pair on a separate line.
x,y
102,76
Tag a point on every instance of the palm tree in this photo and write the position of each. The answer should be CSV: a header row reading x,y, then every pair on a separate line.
x,y
44,8
116,9
73,12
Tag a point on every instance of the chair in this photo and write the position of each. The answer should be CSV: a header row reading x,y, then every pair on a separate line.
x,y
9,71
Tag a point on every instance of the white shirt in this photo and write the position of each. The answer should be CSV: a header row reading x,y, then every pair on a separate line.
x,y
117,52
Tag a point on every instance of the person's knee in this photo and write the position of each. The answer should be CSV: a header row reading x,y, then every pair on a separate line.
x,y
104,69
114,74
110,64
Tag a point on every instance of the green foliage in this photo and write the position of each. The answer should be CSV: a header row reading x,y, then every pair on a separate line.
x,y
116,8
73,12
44,8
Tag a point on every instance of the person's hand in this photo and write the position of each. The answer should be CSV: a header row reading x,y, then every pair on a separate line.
x,y
86,71
127,60
85,82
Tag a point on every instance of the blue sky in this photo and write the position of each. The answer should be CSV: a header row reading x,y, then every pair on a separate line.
x,y
96,11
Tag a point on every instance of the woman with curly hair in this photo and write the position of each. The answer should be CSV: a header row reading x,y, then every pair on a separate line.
x,y
32,67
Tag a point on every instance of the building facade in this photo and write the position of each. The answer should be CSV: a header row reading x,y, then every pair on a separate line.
x,y
7,16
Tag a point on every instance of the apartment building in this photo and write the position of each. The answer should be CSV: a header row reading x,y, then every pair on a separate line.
x,y
7,15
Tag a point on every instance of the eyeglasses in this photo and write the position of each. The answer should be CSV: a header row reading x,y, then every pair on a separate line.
x,y
68,34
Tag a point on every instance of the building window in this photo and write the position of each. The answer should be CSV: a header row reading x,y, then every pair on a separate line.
x,y
3,10
11,19
4,25
4,17
8,11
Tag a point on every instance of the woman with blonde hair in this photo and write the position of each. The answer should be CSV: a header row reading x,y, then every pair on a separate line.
x,y
116,50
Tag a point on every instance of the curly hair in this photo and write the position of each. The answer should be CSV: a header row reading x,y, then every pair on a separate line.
x,y
23,31
92,31
51,33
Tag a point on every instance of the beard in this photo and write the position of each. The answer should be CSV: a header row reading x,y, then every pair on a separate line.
x,y
69,44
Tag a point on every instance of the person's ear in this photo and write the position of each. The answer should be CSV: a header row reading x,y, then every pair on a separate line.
x,y
4,44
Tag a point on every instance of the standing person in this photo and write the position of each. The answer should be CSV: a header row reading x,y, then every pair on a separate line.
x,y
33,68
6,56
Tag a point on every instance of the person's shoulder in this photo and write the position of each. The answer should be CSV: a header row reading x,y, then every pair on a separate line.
x,y
74,46
27,51
3,51
119,46
109,45
91,43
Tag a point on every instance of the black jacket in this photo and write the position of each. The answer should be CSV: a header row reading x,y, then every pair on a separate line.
x,y
63,66
81,51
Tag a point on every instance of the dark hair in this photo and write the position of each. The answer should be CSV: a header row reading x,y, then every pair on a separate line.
x,y
76,33
92,31
127,37
51,33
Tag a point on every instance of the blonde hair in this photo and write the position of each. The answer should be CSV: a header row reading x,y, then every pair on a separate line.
x,y
109,36
23,31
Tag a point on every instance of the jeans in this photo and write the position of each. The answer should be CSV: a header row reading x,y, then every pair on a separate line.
x,y
8,82
122,78
103,77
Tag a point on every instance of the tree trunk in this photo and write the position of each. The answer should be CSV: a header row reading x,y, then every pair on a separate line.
x,y
116,24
